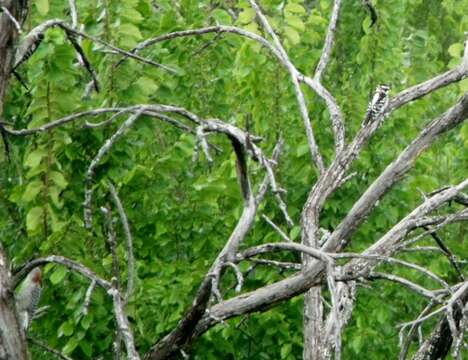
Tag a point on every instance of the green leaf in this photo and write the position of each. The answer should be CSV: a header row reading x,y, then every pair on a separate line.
x,y
148,86
35,157
294,233
70,346
32,190
222,17
246,16
42,6
456,50
463,85
58,179
285,350
87,348
58,275
292,35
54,194
130,30
295,22
294,8
86,321
302,150
34,219
66,329
132,15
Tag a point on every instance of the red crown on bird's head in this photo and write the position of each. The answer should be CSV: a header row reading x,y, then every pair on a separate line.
x,y
36,275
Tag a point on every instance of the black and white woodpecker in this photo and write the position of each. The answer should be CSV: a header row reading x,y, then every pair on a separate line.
x,y
27,298
378,104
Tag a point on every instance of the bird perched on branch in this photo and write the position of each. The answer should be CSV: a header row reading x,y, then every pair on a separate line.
x,y
27,297
378,104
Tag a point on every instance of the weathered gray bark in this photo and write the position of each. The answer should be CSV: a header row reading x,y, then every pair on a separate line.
x,y
266,297
439,342
12,340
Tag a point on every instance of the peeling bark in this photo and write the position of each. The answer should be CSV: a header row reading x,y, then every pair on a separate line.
x,y
12,340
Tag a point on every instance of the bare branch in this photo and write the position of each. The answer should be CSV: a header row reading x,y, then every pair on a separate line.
x,y
12,18
201,137
63,121
386,245
394,172
450,256
300,282
72,265
239,276
266,181
187,325
202,31
405,344
279,264
88,295
184,330
49,349
276,228
112,242
128,235
83,60
372,13
242,137
442,80
449,305
123,324
390,260
337,117
149,110
33,39
73,13
97,159
291,246
314,150
338,317
405,282
329,40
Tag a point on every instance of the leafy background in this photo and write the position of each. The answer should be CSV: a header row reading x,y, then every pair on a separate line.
x,y
181,211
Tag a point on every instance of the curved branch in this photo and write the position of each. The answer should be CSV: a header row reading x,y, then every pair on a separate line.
x,y
394,172
61,260
97,159
128,235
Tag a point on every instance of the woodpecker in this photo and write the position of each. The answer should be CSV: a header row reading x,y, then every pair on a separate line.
x,y
29,45
27,298
379,103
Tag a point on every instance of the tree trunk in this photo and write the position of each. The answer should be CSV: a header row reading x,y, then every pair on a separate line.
x,y
12,341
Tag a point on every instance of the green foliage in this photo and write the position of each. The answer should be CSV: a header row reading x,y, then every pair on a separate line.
x,y
181,212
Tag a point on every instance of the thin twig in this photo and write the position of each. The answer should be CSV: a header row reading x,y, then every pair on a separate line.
x,y
54,352
95,162
70,264
128,235
123,324
280,264
405,282
329,40
88,295
277,229
314,150
12,18
73,13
